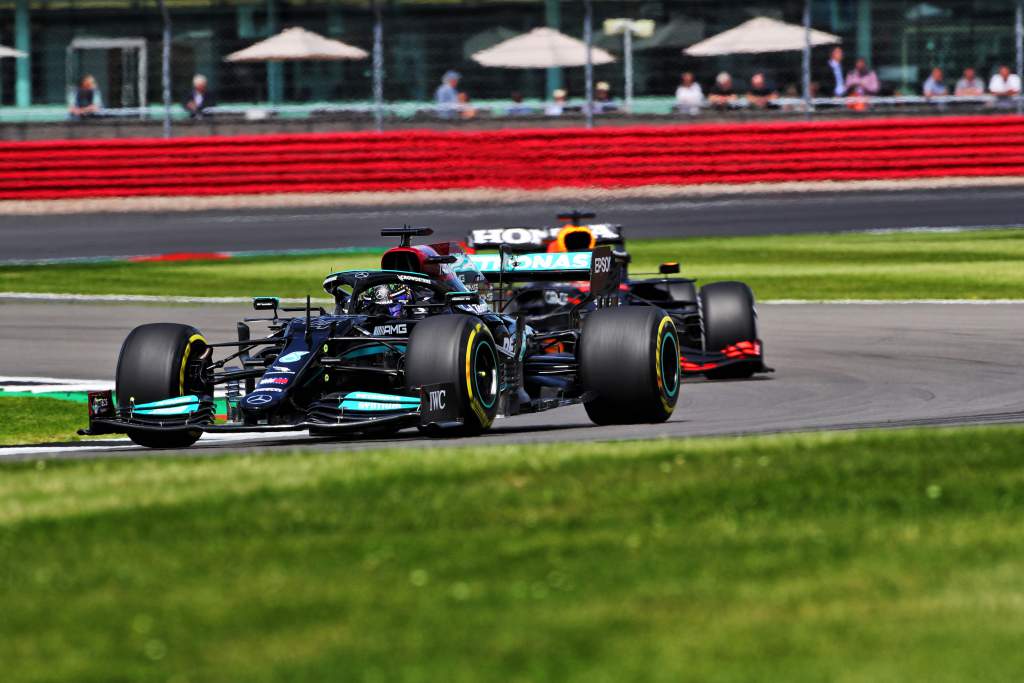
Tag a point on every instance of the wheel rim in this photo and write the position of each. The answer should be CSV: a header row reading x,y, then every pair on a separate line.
x,y
485,374
670,364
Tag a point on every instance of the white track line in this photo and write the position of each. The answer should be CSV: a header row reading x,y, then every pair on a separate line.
x,y
53,388
47,380
39,385
23,451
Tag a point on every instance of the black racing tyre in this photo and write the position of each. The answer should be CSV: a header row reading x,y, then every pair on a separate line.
x,y
629,362
155,363
458,349
729,316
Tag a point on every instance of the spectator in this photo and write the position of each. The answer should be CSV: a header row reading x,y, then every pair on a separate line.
x,y
446,96
1004,85
835,65
603,101
795,98
466,110
722,95
518,108
760,94
934,86
862,81
969,85
199,100
558,103
689,96
87,100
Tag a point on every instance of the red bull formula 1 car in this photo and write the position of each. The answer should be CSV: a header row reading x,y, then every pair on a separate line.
x,y
717,323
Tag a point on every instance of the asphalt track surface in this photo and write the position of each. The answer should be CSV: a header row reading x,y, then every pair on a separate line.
x,y
128,234
837,367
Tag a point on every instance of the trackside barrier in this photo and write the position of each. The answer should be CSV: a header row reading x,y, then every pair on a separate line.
x,y
516,159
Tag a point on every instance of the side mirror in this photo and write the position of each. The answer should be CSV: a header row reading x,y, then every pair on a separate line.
x,y
462,298
266,303
670,268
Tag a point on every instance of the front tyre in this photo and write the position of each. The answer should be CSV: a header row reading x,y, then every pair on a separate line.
x,y
729,316
629,364
457,349
160,361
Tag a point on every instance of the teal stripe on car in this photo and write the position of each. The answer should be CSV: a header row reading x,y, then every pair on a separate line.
x,y
370,402
374,350
530,263
179,405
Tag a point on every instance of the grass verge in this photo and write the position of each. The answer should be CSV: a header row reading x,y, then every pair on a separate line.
x,y
963,265
39,420
855,556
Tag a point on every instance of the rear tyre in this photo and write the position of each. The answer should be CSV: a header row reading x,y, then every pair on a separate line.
x,y
629,362
158,361
729,316
460,350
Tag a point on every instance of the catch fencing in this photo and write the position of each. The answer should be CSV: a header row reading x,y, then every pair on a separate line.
x,y
516,159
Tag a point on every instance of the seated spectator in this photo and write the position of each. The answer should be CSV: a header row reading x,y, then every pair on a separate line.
x,y
934,86
862,81
603,101
466,110
792,92
1004,85
969,85
558,103
199,100
87,100
518,108
760,94
722,95
446,96
689,96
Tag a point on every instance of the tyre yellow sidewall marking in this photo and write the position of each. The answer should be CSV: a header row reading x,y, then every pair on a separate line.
x,y
184,361
665,322
474,403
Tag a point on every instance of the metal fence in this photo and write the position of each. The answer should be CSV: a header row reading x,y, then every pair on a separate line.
x,y
901,41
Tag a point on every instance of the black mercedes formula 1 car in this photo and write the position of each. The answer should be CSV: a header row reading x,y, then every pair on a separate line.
x,y
717,323
413,344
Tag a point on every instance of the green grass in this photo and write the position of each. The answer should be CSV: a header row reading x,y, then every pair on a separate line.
x,y
874,556
979,264
26,420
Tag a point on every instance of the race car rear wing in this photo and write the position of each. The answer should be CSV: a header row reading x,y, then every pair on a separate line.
x,y
526,239
602,267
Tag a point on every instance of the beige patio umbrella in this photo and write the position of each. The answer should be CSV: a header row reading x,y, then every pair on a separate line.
x,y
759,35
297,44
10,52
539,49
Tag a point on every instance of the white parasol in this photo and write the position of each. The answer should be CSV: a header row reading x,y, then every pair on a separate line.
x,y
541,48
760,35
297,44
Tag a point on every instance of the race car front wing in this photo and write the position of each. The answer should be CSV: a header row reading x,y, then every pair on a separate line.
x,y
436,406
696,362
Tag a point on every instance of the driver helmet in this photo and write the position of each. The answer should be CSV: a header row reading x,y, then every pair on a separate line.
x,y
387,299
573,238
